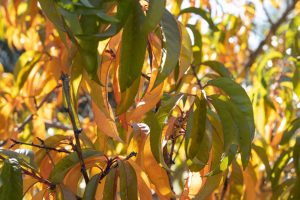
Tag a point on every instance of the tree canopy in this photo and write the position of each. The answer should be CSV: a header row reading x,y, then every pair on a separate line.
x,y
149,99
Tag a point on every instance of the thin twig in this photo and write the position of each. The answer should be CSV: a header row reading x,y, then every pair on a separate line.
x,y
225,186
57,125
15,142
196,76
272,31
30,117
77,130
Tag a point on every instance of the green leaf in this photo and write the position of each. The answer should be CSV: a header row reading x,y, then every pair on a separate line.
x,y
50,8
133,49
239,97
171,47
230,129
290,131
24,65
262,154
202,157
226,161
166,108
11,180
197,47
205,15
64,165
296,79
128,181
296,157
195,130
155,137
218,67
91,188
154,14
110,185
279,166
22,158
283,190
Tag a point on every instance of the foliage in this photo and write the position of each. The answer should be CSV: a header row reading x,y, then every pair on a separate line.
x,y
127,99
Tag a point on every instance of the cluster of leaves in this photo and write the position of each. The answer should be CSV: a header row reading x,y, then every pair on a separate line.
x,y
112,99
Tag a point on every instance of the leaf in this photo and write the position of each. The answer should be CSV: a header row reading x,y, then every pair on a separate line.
x,y
49,7
166,107
238,96
11,180
205,15
63,193
24,66
230,129
154,14
110,185
155,137
197,47
51,141
296,157
218,67
290,131
279,166
262,154
171,47
133,49
296,79
128,181
64,165
91,188
195,130
202,157
152,169
22,159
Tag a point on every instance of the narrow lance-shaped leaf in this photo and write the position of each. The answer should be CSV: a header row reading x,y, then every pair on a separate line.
x,y
204,14
218,67
128,181
238,96
295,192
154,14
110,185
230,130
91,188
171,46
197,47
11,180
290,131
133,49
155,137
195,127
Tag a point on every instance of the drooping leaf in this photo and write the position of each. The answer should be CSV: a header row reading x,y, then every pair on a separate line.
x,y
110,185
171,46
262,154
128,181
91,187
202,13
155,137
133,49
197,46
154,14
230,129
290,131
64,165
195,127
238,96
23,159
279,166
218,67
11,180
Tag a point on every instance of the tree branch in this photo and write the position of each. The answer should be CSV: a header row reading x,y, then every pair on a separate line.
x,y
271,32
15,142
77,130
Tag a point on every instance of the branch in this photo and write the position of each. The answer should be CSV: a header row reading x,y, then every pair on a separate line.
x,y
15,142
271,32
112,163
77,130
30,117
58,125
